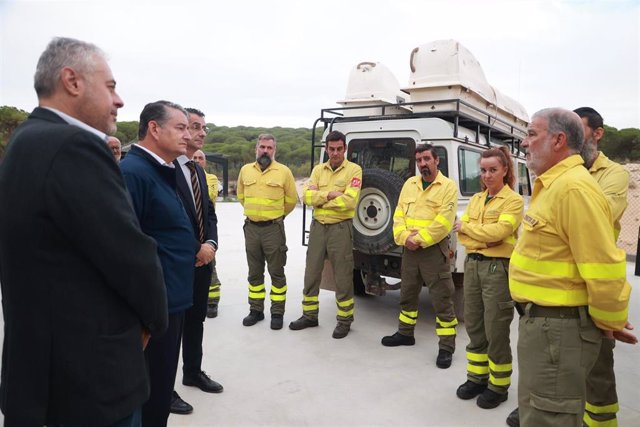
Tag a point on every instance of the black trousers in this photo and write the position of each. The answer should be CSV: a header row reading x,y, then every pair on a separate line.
x,y
162,362
194,317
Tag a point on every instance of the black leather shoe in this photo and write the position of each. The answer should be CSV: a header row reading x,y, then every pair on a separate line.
x,y
203,382
179,406
489,399
303,323
398,339
444,359
212,310
513,420
276,321
253,318
341,330
469,390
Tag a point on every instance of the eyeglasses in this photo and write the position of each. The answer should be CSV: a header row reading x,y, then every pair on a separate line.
x,y
198,126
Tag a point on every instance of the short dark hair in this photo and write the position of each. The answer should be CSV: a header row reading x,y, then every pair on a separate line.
x,y
427,147
335,135
158,112
594,119
195,111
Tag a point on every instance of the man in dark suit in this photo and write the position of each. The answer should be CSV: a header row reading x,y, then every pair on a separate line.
x,y
151,180
82,286
192,189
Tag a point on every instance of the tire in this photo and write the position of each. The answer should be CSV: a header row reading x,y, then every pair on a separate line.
x,y
358,283
373,220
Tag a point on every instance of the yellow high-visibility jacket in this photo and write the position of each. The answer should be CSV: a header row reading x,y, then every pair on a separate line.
x,y
266,195
347,179
431,212
495,221
212,186
613,179
566,256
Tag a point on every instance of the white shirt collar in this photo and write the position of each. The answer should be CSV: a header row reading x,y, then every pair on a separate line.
x,y
183,159
75,122
155,156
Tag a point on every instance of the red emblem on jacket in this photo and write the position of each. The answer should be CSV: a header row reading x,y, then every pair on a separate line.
x,y
356,182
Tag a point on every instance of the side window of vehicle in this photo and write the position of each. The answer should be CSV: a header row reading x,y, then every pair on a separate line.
x,y
443,165
395,155
524,184
469,171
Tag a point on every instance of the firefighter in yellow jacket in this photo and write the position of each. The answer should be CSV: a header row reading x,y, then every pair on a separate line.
x,y
566,274
333,191
214,286
422,222
267,191
613,179
488,231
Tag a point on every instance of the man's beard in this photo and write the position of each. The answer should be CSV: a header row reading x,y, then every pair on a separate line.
x,y
589,152
264,161
425,172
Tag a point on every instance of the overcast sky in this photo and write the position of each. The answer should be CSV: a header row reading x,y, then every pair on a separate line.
x,y
277,63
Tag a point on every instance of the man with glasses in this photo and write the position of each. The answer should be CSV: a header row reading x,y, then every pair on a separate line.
x,y
192,185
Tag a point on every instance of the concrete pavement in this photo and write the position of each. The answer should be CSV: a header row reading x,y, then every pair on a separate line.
x,y
307,378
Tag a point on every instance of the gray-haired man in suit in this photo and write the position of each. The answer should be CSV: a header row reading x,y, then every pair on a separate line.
x,y
82,286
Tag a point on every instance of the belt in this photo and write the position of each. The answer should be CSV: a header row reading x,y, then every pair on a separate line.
x,y
480,257
264,223
551,312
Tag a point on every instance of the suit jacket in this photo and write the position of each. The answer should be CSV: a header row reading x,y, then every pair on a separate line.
x,y
79,280
208,211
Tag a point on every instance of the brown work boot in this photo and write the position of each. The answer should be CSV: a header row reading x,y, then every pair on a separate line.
x,y
341,330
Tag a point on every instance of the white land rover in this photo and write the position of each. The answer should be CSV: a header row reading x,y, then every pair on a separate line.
x,y
448,103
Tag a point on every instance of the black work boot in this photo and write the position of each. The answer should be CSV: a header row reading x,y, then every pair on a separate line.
x,y
397,339
303,323
444,359
253,318
513,420
469,390
212,310
341,330
276,321
489,399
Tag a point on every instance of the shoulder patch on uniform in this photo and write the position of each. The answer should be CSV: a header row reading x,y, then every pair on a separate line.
x,y
530,220
356,182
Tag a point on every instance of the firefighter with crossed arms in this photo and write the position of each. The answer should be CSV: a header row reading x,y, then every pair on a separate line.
x,y
333,191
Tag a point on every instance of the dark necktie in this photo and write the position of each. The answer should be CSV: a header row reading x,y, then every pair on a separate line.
x,y
195,185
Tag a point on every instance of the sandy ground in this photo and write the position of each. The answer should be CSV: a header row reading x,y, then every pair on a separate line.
x,y
630,222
